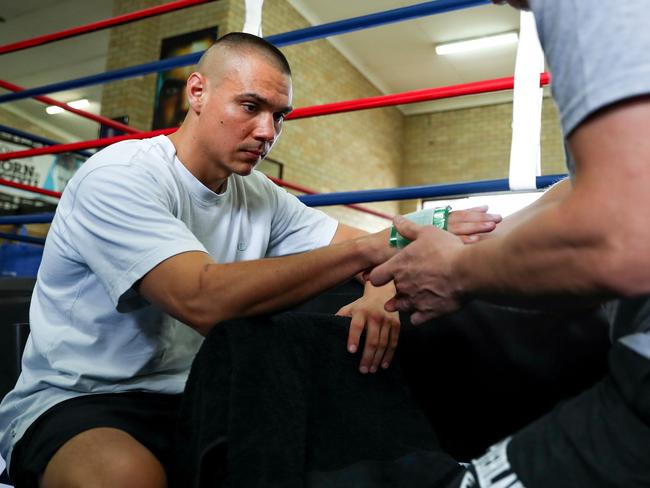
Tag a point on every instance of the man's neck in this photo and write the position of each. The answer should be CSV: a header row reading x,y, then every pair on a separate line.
x,y
196,163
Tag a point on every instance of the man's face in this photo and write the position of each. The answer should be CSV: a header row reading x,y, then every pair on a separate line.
x,y
520,4
242,114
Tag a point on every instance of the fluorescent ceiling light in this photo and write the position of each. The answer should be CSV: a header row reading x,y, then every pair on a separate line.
x,y
476,44
53,109
79,104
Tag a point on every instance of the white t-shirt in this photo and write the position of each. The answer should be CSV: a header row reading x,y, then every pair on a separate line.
x,y
128,208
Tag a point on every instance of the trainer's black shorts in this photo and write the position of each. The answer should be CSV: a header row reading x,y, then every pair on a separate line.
x,y
148,417
599,439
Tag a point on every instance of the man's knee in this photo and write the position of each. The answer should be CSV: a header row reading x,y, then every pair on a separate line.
x,y
103,457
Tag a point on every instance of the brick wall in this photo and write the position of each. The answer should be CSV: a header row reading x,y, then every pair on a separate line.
x,y
138,43
470,144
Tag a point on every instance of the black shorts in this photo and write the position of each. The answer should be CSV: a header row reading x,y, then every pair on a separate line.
x,y
599,439
148,417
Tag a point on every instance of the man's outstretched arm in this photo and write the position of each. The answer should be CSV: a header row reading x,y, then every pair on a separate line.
x,y
199,292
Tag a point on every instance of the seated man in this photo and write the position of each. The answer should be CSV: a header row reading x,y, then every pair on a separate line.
x,y
153,243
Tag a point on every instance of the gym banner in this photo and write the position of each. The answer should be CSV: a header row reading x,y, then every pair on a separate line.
x,y
49,171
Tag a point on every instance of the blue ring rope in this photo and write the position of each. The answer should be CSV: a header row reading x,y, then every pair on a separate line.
x,y
372,20
411,192
37,218
279,40
18,237
35,138
348,197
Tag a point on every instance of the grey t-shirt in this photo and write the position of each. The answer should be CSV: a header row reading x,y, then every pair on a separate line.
x,y
599,53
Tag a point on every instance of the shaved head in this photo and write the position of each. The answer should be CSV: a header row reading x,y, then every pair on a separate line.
x,y
239,97
235,46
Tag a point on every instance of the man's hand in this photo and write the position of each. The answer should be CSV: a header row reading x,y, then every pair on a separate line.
x,y
377,246
471,224
382,327
422,272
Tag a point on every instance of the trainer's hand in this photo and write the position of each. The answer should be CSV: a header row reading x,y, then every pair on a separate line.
x,y
382,327
422,272
471,224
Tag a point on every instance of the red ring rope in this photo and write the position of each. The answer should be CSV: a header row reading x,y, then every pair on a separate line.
x,y
33,189
102,24
78,146
51,101
485,86
316,110
426,95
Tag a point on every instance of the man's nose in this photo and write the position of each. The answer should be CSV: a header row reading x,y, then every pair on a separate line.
x,y
265,129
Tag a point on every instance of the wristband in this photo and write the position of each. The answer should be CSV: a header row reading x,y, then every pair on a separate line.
x,y
437,217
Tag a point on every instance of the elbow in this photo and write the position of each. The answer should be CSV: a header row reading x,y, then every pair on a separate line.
x,y
200,316
189,287
189,305
199,321
624,270
205,301
203,327
208,304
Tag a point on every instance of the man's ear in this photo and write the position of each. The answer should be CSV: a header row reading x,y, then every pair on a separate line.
x,y
195,90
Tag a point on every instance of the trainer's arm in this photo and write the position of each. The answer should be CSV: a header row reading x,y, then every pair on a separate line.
x,y
552,196
199,292
591,242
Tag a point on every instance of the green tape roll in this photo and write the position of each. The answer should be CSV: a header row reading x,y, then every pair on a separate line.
x,y
437,217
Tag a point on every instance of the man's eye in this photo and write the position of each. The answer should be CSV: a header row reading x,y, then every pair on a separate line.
x,y
249,107
279,117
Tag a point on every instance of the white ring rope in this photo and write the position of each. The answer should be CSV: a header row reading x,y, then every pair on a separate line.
x,y
526,108
253,21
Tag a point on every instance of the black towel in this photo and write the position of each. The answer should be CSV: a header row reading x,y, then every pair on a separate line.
x,y
279,402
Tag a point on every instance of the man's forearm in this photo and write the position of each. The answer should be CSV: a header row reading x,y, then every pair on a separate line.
x,y
267,285
201,293
594,241
551,196
557,251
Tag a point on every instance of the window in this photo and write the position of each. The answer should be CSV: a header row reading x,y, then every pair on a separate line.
x,y
499,203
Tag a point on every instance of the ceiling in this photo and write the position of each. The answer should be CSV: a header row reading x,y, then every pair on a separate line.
x,y
395,58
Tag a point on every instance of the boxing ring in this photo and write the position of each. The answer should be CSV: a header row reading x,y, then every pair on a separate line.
x,y
310,196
